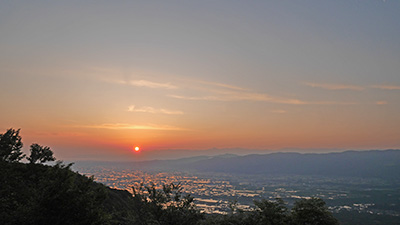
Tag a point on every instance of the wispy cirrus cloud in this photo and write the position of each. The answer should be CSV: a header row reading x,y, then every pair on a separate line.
x,y
212,98
258,97
279,111
142,83
242,96
226,92
333,103
386,87
170,112
252,96
351,87
125,126
227,86
381,103
147,109
335,86
151,84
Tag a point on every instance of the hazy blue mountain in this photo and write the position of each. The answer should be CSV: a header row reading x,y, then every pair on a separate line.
x,y
374,163
383,164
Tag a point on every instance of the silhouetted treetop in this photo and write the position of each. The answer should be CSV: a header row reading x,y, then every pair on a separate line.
x,y
40,154
10,146
312,212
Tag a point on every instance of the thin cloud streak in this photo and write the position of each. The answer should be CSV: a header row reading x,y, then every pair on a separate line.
x,y
265,98
227,92
211,98
147,109
165,111
243,96
386,87
228,86
351,87
150,84
141,83
259,98
279,111
381,103
334,103
125,126
335,86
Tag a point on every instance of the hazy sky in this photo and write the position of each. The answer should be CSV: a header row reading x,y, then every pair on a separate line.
x,y
93,79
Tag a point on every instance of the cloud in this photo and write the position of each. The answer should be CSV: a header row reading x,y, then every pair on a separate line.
x,y
279,111
381,103
169,112
147,109
333,103
144,109
125,126
212,98
226,92
243,96
141,83
335,86
150,84
260,98
351,87
251,96
228,86
387,87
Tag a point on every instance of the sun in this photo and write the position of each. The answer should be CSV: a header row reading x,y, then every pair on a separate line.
x,y
137,149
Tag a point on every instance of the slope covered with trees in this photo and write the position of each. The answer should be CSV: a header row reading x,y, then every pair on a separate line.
x,y
34,193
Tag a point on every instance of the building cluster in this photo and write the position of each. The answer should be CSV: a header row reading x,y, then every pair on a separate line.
x,y
217,193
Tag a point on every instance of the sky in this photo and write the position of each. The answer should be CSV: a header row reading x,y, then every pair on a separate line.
x,y
94,79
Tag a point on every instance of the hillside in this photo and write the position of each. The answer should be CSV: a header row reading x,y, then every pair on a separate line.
x,y
41,194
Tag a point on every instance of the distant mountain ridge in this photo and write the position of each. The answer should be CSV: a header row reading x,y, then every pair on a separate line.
x,y
373,163
382,164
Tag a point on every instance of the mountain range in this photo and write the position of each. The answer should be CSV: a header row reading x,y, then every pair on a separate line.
x,y
373,163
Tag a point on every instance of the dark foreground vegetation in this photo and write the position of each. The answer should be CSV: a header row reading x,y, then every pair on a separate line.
x,y
33,193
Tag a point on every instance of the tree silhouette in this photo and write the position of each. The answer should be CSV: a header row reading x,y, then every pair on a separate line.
x,y
272,212
40,154
167,206
10,146
312,212
49,195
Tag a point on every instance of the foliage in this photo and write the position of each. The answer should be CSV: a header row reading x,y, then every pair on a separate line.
x,y
272,212
312,212
239,218
39,194
164,206
10,146
41,154
266,212
11,149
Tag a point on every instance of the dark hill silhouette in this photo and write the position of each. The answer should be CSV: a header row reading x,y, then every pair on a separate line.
x,y
42,194
49,195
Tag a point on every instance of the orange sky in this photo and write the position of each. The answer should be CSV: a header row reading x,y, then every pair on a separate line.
x,y
258,76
